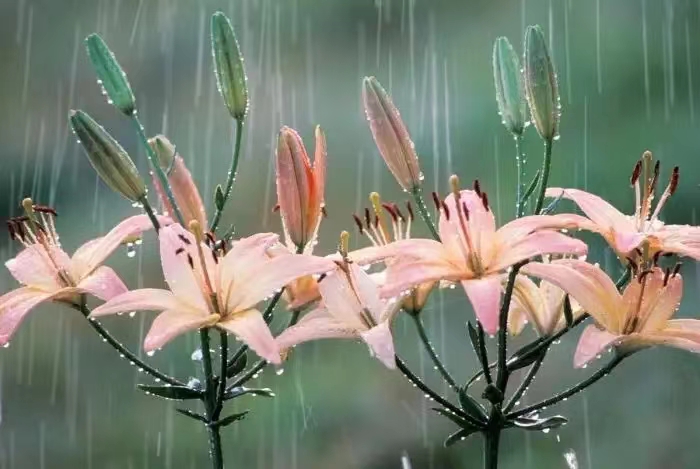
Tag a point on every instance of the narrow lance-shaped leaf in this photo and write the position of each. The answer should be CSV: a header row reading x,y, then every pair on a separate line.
x,y
509,86
109,159
171,392
471,406
546,423
237,366
110,75
458,436
226,421
228,66
541,88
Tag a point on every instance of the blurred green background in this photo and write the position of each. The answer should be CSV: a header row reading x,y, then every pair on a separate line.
x,y
629,76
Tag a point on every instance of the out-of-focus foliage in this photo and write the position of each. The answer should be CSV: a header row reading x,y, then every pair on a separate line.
x,y
629,76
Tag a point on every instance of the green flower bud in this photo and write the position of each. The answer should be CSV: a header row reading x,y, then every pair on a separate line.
x,y
110,75
109,159
541,86
228,66
510,92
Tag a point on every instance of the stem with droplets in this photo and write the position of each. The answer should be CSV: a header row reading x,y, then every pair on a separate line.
x,y
433,354
423,212
231,175
210,401
546,166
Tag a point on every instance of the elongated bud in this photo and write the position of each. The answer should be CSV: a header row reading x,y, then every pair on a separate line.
x,y
181,183
510,91
228,66
414,302
300,186
110,75
390,135
541,88
109,159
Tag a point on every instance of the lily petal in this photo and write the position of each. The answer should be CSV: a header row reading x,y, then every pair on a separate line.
x,y
367,291
595,208
536,244
660,301
172,323
183,188
104,283
528,303
592,343
35,268
317,324
175,257
485,296
381,344
520,227
402,276
146,299
250,327
15,305
341,300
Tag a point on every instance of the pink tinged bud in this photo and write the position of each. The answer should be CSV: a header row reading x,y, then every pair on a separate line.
x,y
300,186
181,183
391,135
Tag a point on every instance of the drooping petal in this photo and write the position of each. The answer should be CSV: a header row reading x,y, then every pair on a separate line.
x,y
680,239
341,301
587,284
402,276
381,344
536,244
527,303
172,323
91,254
179,260
485,297
592,343
104,283
35,267
250,327
263,279
317,324
595,208
146,299
523,226
15,305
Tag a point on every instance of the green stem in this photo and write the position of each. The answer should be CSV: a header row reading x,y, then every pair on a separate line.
x,y
157,169
546,164
491,441
210,395
433,354
520,169
128,354
502,373
604,371
231,175
223,352
149,211
423,212
532,372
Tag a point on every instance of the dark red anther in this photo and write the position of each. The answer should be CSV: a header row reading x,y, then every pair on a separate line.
x,y
477,187
667,274
642,275
446,211
465,211
276,208
190,261
398,212
324,212
676,269
179,251
19,228
673,183
45,209
389,208
368,218
409,207
436,200
11,229
636,172
358,222
655,258
213,255
184,239
376,221
485,201
211,239
633,265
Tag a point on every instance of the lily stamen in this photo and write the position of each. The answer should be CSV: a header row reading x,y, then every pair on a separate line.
x,y
196,230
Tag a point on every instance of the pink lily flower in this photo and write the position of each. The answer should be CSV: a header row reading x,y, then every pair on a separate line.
x,y
626,233
473,252
351,308
639,317
48,273
211,291
181,183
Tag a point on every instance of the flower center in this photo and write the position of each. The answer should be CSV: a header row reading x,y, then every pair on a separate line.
x,y
644,178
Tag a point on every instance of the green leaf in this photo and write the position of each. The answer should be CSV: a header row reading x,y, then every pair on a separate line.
x,y
226,421
219,197
241,391
237,366
110,75
192,415
540,424
509,86
471,406
458,436
531,187
228,66
171,392
527,355
541,88
462,422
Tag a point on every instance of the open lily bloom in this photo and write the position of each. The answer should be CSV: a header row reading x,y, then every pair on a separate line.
x,y
541,305
48,273
208,291
639,317
625,233
473,252
351,308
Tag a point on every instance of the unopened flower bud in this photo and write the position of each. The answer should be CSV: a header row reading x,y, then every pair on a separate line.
x,y
391,135
510,92
541,88
228,66
109,159
110,75
415,301
181,183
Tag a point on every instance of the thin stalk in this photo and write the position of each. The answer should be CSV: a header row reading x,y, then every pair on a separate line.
x,y
423,212
433,354
491,441
210,394
149,211
128,354
502,373
157,169
223,352
604,371
532,372
231,175
546,164
520,170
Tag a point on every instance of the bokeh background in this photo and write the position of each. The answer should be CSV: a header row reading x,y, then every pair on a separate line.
x,y
629,78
